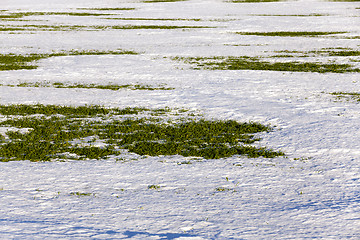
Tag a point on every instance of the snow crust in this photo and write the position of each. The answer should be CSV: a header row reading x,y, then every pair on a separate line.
x,y
313,193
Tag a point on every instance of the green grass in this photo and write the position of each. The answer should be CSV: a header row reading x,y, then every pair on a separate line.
x,y
108,9
347,96
33,27
26,14
157,19
155,187
291,15
127,27
18,62
81,194
253,1
250,63
330,52
60,132
157,1
224,189
113,87
92,52
289,34
81,111
344,53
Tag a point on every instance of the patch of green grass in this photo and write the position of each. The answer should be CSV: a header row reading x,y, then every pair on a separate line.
x,y
157,1
108,9
17,62
345,53
253,1
289,34
92,52
157,19
127,27
11,29
347,96
81,194
250,63
9,16
31,28
291,15
113,87
26,14
81,111
201,139
55,132
223,189
77,14
20,20
329,52
344,0
155,187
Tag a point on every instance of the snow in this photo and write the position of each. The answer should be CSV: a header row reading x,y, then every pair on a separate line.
x,y
313,193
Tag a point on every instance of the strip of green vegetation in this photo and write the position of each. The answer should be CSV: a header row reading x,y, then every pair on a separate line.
x,y
22,20
14,28
344,53
157,19
156,187
92,52
343,0
157,1
78,14
289,34
249,63
253,1
125,27
80,194
33,27
59,132
81,111
26,14
291,15
113,87
331,52
108,9
17,62
224,189
347,96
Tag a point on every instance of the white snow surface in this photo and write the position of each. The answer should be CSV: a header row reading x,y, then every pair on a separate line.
x,y
312,193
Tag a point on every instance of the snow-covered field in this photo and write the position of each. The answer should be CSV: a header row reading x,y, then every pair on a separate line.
x,y
312,193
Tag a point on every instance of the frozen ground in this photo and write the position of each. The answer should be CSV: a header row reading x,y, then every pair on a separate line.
x,y
313,193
